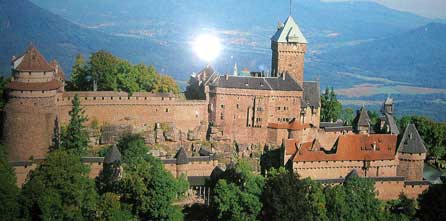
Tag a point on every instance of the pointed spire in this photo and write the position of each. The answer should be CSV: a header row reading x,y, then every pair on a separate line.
x,y
411,141
289,33
181,156
32,60
113,155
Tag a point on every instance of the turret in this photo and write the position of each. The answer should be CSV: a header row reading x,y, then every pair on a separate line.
x,y
182,162
388,106
112,169
362,122
30,112
411,154
288,47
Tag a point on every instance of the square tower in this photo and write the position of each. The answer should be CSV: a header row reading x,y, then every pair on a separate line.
x,y
288,51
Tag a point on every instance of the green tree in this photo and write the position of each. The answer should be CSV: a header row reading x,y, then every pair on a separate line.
x,y
286,197
111,73
132,147
79,75
233,204
149,189
146,187
3,82
348,116
337,207
110,208
74,136
237,193
59,189
330,106
9,191
432,203
361,199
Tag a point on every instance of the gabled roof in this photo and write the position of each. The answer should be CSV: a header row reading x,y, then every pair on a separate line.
x,y
181,156
258,83
357,147
113,155
32,60
363,118
312,95
411,141
289,32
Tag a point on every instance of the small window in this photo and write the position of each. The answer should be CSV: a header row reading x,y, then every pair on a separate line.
x,y
43,92
167,110
103,98
222,106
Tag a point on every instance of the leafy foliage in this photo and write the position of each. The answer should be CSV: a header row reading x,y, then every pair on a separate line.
x,y
432,203
75,137
59,189
110,73
237,194
286,197
330,106
145,187
8,189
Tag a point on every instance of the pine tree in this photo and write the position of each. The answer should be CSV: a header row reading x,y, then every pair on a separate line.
x,y
8,189
75,136
55,144
79,79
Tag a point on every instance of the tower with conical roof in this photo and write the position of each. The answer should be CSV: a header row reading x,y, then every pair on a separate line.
x,y
30,112
411,154
288,51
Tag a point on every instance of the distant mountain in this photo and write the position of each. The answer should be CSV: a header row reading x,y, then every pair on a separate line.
x,y
346,20
22,22
417,57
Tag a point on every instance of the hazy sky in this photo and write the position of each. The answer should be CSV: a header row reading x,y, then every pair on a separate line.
x,y
427,8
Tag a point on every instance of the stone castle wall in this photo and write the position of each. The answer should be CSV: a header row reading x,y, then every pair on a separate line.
x,y
243,115
411,165
28,122
198,168
140,110
340,169
289,58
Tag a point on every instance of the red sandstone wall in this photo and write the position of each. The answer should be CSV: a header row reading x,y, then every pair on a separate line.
x,y
411,166
140,110
28,127
243,115
339,169
289,57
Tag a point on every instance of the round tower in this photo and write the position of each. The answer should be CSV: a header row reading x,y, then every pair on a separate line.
x,y
30,113
182,162
411,154
288,51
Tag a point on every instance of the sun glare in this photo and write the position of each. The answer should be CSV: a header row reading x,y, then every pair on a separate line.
x,y
207,47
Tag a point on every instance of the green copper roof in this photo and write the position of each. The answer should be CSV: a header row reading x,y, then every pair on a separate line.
x,y
289,32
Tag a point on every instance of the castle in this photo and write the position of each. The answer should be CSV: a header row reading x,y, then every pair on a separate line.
x,y
253,108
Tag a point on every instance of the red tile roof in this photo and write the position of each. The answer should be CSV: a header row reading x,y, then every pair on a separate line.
x,y
24,86
33,61
356,147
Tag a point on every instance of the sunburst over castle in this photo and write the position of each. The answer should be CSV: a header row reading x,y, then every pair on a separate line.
x,y
245,112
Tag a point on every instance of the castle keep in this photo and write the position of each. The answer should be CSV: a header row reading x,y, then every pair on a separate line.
x,y
249,108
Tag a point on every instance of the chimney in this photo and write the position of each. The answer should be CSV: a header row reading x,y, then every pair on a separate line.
x,y
283,76
226,76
